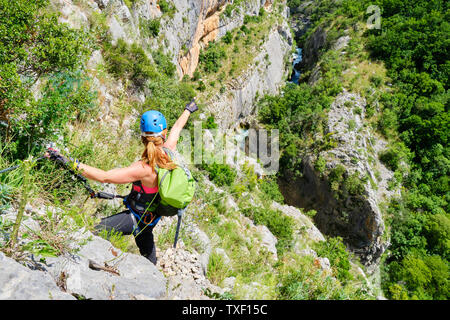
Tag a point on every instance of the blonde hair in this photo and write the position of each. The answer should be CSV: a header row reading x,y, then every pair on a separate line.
x,y
154,154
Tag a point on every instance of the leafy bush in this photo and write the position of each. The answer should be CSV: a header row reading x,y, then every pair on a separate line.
x,y
270,190
164,63
34,45
279,224
169,96
395,155
335,250
130,62
210,59
306,282
220,174
228,37
150,28
210,123
231,7
166,7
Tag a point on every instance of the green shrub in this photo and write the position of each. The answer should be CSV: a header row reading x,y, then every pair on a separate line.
x,y
320,164
280,225
129,62
166,7
335,250
228,37
270,190
150,28
306,282
33,45
210,123
211,59
250,177
217,268
164,63
395,155
66,97
169,96
220,174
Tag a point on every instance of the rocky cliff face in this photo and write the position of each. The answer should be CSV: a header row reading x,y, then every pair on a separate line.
x,y
184,33
97,269
212,25
355,216
266,74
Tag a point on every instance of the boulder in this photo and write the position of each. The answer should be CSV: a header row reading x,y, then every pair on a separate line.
x,y
17,282
126,275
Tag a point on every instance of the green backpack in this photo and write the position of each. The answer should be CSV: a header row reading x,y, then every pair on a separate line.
x,y
176,187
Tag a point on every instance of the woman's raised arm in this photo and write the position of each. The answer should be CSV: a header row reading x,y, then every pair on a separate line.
x,y
175,131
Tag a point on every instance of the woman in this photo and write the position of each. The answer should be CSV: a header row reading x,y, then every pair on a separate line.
x,y
140,218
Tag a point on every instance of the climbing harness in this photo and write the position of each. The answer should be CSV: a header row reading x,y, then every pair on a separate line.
x,y
140,206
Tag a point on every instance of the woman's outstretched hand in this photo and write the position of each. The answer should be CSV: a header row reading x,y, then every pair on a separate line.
x,y
54,155
191,106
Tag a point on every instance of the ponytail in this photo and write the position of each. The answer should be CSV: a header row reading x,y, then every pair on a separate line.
x,y
154,154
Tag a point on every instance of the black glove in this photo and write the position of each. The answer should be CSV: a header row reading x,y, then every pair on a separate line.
x,y
191,106
68,162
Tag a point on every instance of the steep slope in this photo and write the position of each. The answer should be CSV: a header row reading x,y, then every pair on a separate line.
x,y
238,239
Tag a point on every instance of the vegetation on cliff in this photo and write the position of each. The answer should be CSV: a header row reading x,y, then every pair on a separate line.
x,y
408,105
43,67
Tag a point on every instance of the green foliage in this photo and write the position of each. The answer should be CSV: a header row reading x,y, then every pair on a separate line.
x,y
306,282
413,47
34,45
220,174
117,239
420,277
166,7
217,268
395,155
210,59
66,97
437,232
150,28
250,177
231,7
210,123
280,225
129,62
228,38
320,164
296,113
270,189
169,96
164,63
335,250
344,184
249,19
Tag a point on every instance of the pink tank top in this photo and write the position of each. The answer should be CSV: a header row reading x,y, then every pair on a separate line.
x,y
146,189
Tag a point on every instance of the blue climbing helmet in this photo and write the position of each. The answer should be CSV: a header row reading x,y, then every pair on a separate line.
x,y
152,121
